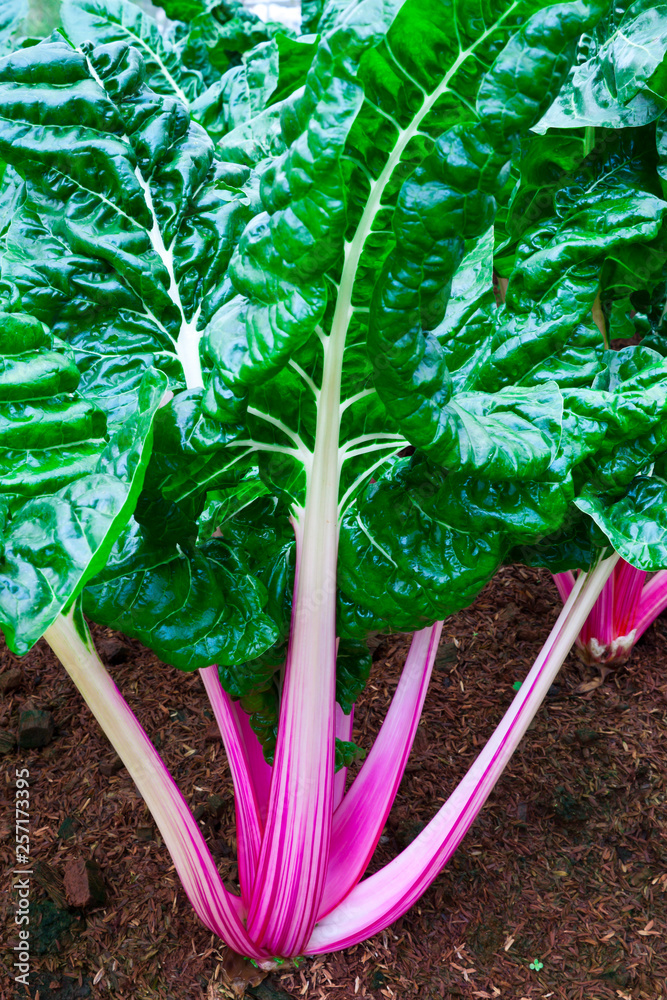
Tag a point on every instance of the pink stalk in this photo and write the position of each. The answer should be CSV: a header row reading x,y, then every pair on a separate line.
x,y
219,910
564,584
295,849
628,585
343,732
249,828
259,770
359,821
598,629
382,898
652,602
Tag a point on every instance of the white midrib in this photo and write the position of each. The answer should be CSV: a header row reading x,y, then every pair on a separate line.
x,y
187,342
163,69
327,438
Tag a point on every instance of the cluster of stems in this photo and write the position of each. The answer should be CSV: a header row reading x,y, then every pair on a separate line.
x,y
305,835
629,602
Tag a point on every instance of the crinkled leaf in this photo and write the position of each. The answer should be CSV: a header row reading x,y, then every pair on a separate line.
x,y
192,610
555,283
70,491
12,14
108,21
636,525
87,249
575,545
623,83
449,199
401,565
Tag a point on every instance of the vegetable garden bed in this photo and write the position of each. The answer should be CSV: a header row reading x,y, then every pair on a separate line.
x,y
565,869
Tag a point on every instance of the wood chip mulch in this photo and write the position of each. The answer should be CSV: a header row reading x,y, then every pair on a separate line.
x,y
565,869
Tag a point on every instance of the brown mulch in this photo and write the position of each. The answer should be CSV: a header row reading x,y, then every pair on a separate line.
x,y
565,868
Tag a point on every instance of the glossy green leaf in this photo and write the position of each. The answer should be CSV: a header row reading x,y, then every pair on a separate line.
x,y
622,83
636,525
12,14
449,199
88,249
401,565
192,610
311,12
68,490
575,545
105,22
555,282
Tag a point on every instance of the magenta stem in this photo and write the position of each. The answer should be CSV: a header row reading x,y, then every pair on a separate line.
x,y
249,828
359,821
652,602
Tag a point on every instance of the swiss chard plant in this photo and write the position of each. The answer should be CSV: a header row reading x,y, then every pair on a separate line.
x,y
607,126
257,398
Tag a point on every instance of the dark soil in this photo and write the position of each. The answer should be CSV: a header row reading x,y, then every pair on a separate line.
x,y
564,870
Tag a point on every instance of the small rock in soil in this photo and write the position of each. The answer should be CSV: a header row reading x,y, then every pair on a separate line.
x,y
110,767
214,805
199,812
446,656
84,885
7,741
115,652
68,827
36,728
587,736
145,832
11,680
378,980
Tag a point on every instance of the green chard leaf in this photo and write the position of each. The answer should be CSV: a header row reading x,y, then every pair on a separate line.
x,y
117,246
193,608
12,15
67,489
636,525
622,82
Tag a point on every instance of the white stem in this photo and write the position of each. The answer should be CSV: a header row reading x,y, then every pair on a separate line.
x,y
220,911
